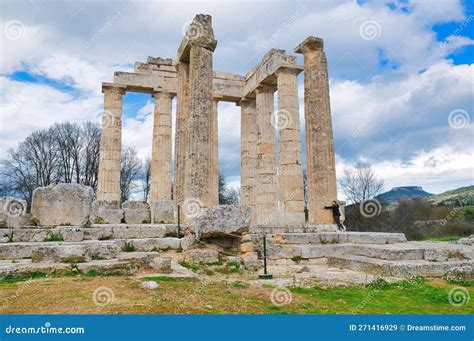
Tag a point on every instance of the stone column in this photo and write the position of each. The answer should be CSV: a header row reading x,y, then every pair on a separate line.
x,y
214,194
160,181
248,159
181,135
290,171
267,188
321,169
110,145
198,180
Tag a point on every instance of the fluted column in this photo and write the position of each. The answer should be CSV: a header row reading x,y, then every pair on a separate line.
x,y
110,145
267,190
160,181
290,171
214,193
321,169
181,135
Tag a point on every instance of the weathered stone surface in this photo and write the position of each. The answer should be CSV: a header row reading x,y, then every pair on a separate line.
x,y
106,212
164,212
467,241
70,234
161,264
250,261
201,256
438,254
136,212
62,204
460,274
152,244
12,211
223,221
64,254
188,242
150,285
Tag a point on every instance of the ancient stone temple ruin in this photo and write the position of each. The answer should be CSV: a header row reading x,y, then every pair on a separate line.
x,y
271,184
71,229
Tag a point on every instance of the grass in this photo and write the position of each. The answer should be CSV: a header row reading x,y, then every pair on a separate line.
x,y
444,239
72,294
128,247
53,237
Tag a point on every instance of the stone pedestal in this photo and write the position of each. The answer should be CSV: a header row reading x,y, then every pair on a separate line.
x,y
290,171
267,189
160,181
248,159
110,145
321,169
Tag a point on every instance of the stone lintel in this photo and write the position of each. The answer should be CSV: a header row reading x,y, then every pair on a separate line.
x,y
111,87
160,93
310,44
199,33
159,61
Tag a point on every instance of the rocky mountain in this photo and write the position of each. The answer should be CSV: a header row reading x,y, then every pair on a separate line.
x,y
396,193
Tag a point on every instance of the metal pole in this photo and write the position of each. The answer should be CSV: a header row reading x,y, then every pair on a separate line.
x,y
265,275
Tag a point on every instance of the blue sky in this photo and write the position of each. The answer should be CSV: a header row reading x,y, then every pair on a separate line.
x,y
401,73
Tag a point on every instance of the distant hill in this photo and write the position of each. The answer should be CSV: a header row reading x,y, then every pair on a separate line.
x,y
396,193
460,196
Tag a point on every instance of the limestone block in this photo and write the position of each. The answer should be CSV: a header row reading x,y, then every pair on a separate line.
x,y
164,212
99,233
136,212
161,264
63,254
201,256
70,234
127,232
188,242
250,261
460,274
106,212
467,241
246,247
151,244
62,204
437,255
223,221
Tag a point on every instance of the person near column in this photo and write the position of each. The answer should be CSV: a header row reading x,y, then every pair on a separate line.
x,y
336,213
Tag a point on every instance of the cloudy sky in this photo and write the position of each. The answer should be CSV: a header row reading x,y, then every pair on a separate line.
x,y
401,73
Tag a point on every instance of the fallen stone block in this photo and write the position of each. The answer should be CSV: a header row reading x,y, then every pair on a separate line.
x,y
61,254
106,212
223,221
164,212
460,274
205,256
62,204
136,212
13,212
161,264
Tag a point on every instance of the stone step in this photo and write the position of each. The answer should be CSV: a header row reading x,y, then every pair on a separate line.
x,y
95,232
124,264
79,252
402,269
339,237
430,251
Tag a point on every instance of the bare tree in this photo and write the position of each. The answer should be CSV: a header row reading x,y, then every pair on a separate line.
x,y
90,154
360,184
227,194
145,178
69,140
130,170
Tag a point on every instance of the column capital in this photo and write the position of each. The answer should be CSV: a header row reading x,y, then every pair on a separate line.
x,y
262,88
310,44
111,88
159,94
288,70
246,101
